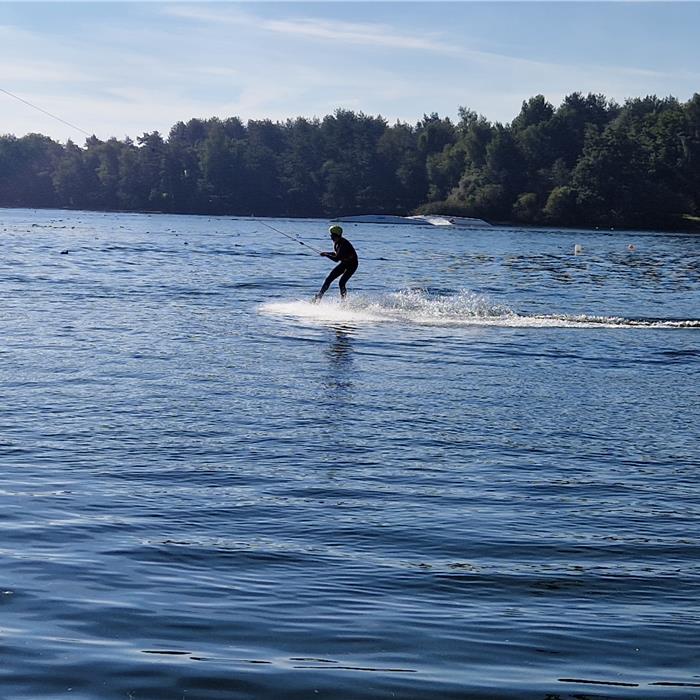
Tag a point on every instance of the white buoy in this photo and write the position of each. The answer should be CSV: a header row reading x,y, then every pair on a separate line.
x,y
578,249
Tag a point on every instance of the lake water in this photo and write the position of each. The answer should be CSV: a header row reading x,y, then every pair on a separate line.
x,y
477,480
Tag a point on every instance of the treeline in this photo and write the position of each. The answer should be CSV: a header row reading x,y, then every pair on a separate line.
x,y
589,161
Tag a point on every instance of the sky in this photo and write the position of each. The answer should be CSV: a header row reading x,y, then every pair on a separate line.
x,y
118,69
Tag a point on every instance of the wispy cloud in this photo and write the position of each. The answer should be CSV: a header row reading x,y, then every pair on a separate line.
x,y
359,34
28,71
337,32
109,73
378,35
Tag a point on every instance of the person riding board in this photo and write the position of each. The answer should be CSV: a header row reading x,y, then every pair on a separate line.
x,y
346,257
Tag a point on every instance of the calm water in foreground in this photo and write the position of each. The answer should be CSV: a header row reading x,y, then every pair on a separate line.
x,y
479,479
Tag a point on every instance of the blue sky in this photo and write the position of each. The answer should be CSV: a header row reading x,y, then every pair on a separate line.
x,y
120,69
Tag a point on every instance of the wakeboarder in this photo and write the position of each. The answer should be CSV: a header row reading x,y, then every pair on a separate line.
x,y
346,257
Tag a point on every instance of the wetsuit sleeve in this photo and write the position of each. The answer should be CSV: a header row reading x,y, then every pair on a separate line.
x,y
335,255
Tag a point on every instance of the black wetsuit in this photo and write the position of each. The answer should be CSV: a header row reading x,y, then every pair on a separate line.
x,y
346,257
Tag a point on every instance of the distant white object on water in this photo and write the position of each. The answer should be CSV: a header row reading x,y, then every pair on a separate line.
x,y
378,219
451,221
427,220
578,249
631,247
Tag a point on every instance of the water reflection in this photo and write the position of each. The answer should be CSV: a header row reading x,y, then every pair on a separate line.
x,y
340,358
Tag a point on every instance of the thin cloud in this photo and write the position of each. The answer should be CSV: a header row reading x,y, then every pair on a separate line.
x,y
385,36
208,60
359,34
220,71
23,72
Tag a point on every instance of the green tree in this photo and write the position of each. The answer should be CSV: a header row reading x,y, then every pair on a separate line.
x,y
616,184
131,189
301,166
402,171
573,118
223,172
527,208
26,170
434,133
352,183
73,180
561,206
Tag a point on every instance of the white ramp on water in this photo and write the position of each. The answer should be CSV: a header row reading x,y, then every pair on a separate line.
x,y
420,307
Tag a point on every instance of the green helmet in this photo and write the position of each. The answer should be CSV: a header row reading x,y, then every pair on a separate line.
x,y
335,230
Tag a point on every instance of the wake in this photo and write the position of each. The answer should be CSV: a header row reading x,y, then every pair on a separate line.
x,y
421,307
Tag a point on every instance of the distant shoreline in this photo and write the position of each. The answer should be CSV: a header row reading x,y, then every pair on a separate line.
x,y
586,162
689,224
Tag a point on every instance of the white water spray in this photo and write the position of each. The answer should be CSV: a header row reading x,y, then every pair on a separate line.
x,y
421,307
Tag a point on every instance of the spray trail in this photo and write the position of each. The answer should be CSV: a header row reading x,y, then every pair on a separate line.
x,y
420,307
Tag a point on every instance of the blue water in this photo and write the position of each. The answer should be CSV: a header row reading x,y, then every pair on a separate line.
x,y
478,479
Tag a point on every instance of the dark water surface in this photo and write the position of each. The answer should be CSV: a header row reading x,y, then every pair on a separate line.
x,y
479,479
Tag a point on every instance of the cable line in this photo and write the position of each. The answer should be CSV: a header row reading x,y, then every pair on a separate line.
x,y
77,128
293,238
53,116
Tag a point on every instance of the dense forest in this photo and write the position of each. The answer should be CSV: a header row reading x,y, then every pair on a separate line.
x,y
589,161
